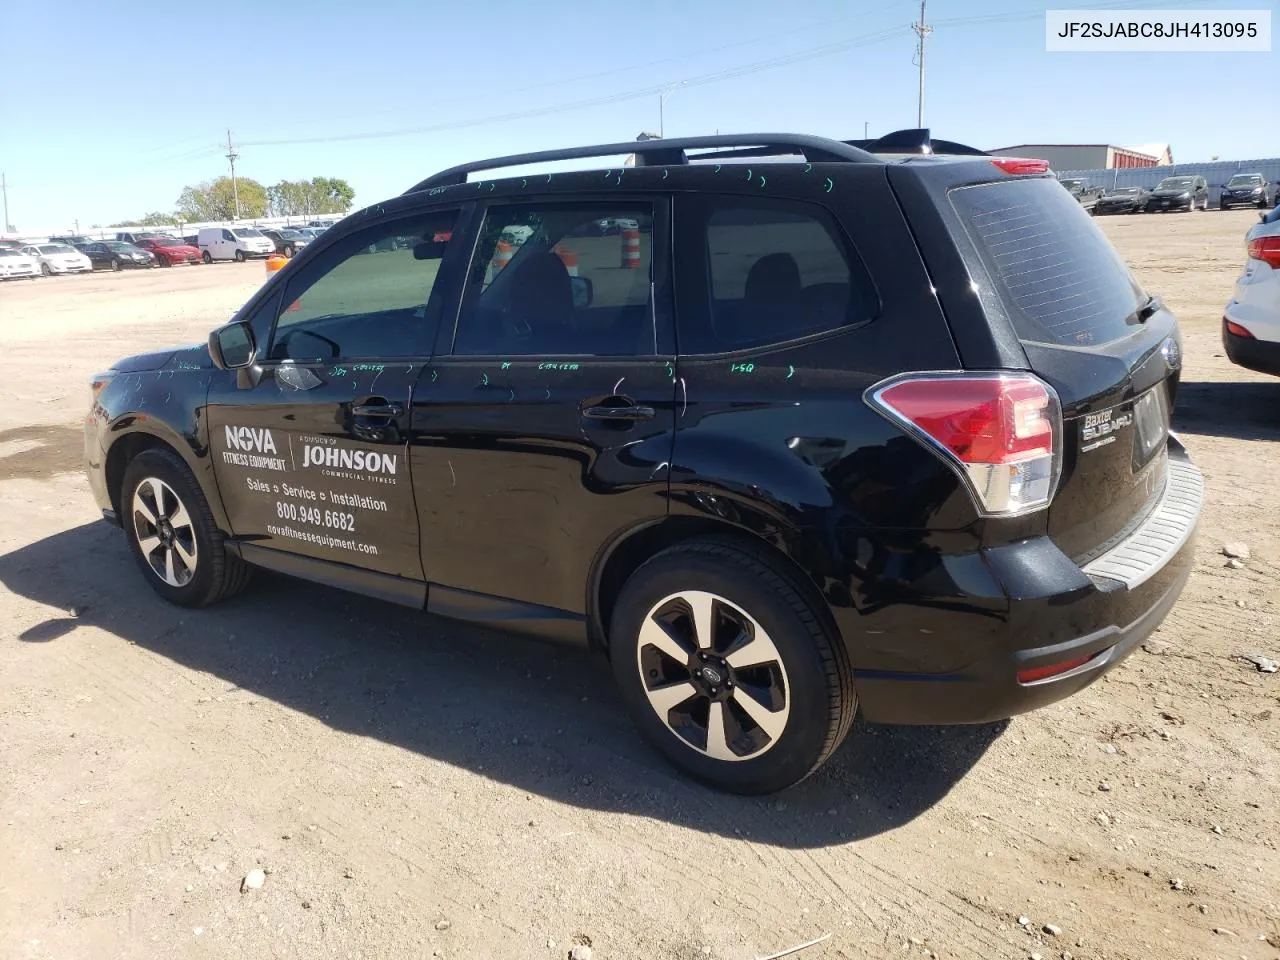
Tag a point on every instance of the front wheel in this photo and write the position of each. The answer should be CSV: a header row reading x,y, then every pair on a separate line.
x,y
115,265
172,535
289,251
728,669
44,268
239,256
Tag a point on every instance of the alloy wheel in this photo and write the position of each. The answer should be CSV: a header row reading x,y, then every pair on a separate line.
x,y
165,532
713,675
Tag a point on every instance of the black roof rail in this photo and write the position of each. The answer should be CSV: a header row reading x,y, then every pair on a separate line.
x,y
662,153
915,141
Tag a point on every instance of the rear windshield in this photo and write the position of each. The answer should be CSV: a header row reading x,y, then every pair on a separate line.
x,y
1062,280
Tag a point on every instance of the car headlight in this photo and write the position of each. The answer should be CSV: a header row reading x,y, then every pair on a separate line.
x,y
1184,196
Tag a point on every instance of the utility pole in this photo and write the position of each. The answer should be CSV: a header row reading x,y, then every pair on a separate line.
x,y
662,104
235,191
866,126
922,30
4,188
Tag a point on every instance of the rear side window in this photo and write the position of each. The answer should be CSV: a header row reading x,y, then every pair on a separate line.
x,y
1062,280
776,270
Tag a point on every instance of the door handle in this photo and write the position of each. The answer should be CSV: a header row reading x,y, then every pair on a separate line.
x,y
630,412
377,409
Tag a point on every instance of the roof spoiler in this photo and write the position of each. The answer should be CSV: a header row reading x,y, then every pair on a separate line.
x,y
915,141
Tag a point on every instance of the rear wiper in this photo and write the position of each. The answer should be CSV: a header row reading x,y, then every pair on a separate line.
x,y
1148,310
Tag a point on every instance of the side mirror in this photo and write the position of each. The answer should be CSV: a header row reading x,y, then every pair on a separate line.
x,y
584,292
232,346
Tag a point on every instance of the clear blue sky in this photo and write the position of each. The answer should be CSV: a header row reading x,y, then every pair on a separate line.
x,y
110,109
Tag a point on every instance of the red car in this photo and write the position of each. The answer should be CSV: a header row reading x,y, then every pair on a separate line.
x,y
170,250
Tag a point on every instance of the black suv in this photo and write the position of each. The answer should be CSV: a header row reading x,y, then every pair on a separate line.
x,y
819,428
1247,190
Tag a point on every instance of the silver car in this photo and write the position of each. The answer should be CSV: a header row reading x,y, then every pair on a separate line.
x,y
58,258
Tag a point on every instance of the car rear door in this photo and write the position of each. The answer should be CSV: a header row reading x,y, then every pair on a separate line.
x,y
1112,354
544,428
310,446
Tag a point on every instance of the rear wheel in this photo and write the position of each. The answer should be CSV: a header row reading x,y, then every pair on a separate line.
x,y
727,668
171,532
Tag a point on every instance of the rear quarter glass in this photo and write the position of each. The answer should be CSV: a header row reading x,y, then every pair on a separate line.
x,y
1059,277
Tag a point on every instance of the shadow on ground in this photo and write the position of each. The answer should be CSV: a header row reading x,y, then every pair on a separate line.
x,y
1240,409
541,718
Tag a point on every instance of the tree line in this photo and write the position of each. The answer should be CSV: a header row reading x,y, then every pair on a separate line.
x,y
217,200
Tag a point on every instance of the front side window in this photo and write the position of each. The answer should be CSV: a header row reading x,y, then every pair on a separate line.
x,y
777,270
369,296
227,235
560,279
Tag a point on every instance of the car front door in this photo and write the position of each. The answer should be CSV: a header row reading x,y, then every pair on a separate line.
x,y
543,429
309,446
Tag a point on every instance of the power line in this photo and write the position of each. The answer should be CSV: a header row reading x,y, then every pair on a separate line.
x,y
649,91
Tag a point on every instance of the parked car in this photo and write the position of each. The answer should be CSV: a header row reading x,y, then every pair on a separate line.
x,y
1179,193
12,244
169,250
1086,194
116,255
233,243
286,240
192,240
1122,200
1251,322
71,239
58,258
853,487
15,264
1247,190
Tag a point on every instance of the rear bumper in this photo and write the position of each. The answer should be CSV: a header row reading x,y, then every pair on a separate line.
x,y
1262,356
1057,613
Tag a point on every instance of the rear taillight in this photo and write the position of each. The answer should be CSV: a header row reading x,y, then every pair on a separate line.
x,y
1236,330
1266,249
1018,165
1035,674
1001,432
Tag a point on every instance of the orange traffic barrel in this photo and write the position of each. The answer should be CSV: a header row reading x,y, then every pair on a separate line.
x,y
568,258
631,249
502,256
275,262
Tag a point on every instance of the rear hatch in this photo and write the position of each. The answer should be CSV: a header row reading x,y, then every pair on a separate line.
x,y
1111,353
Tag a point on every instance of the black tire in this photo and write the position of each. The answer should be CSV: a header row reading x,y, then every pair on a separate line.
x,y
819,693
239,256
289,251
163,262
206,256
44,269
218,575
115,265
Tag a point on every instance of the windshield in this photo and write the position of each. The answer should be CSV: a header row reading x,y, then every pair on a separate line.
x,y
118,245
1245,180
168,242
1125,192
291,235
55,248
248,232
7,252
1072,183
1175,183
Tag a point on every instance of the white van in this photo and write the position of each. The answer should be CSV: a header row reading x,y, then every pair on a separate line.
x,y
233,243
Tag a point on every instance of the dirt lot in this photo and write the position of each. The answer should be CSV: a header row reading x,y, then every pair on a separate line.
x,y
418,788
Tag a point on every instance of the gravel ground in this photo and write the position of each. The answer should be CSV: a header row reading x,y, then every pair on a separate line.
x,y
410,787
